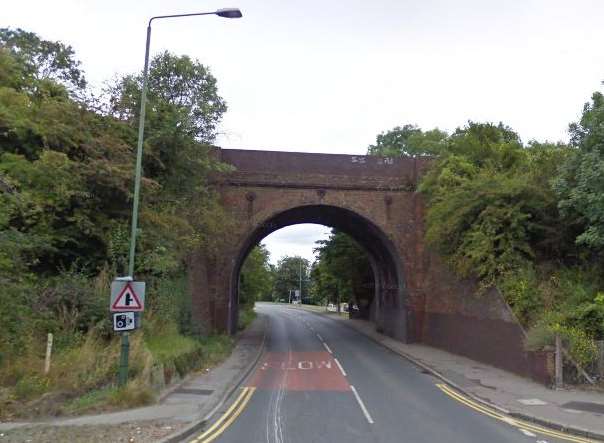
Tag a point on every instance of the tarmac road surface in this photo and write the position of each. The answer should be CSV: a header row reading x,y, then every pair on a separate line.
x,y
319,381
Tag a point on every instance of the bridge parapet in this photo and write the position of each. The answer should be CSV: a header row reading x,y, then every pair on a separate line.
x,y
330,171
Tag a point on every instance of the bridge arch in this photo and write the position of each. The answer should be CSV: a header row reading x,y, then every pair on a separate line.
x,y
388,309
373,199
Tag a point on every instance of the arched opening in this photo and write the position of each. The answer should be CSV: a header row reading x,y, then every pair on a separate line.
x,y
388,310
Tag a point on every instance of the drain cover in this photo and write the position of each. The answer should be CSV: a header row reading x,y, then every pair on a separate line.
x,y
193,391
584,406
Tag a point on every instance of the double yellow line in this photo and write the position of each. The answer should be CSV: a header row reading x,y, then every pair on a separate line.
x,y
509,420
227,418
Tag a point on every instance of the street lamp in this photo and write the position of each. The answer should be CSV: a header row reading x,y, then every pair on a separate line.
x,y
226,13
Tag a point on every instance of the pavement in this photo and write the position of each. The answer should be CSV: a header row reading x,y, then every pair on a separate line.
x,y
576,410
320,380
182,408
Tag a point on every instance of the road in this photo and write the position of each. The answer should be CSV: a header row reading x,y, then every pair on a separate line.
x,y
320,381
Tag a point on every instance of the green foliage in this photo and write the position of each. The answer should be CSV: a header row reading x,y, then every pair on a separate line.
x,y
576,340
527,218
290,274
246,316
489,211
256,277
42,59
408,140
183,101
29,387
342,266
581,180
522,292
66,170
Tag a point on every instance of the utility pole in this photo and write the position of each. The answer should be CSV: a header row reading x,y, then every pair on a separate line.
x,y
338,295
300,281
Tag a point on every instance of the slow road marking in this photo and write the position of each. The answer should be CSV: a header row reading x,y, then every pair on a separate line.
x,y
299,371
227,418
520,424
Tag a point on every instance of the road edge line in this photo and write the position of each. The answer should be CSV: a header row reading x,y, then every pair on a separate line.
x,y
196,426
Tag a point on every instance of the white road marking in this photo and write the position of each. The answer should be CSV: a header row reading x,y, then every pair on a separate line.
x,y
327,347
340,366
320,338
527,433
362,405
532,401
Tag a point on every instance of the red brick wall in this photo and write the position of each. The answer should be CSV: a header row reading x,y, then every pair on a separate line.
x,y
363,195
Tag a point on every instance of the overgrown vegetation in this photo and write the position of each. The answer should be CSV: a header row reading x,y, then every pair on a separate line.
x,y
342,272
66,170
527,218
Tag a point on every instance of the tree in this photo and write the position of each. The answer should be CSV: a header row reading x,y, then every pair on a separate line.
x,y
287,277
580,183
342,266
408,140
182,99
182,113
489,212
66,169
256,278
40,59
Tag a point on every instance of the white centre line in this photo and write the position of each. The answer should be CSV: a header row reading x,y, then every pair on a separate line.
x,y
327,347
340,366
362,405
320,338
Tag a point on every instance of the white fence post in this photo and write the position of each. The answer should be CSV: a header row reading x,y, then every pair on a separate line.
x,y
48,354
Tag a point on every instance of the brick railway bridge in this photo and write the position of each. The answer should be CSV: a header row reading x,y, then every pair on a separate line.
x,y
374,200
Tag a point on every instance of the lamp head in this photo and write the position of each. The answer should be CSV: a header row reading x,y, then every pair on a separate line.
x,y
229,13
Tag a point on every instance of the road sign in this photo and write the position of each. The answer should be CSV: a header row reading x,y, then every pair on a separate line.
x,y
123,321
127,296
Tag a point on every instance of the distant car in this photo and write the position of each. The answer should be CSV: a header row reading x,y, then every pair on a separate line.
x,y
331,307
296,302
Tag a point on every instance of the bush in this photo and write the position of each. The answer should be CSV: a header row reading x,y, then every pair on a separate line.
x,y
132,395
580,346
246,316
521,291
28,387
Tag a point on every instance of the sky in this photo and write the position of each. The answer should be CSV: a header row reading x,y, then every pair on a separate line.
x,y
317,76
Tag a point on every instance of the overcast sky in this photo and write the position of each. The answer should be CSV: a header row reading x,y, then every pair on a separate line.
x,y
321,76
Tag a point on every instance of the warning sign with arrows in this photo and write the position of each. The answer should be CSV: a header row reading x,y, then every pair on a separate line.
x,y
127,296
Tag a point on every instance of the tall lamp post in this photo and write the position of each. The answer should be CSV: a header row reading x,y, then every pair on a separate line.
x,y
226,13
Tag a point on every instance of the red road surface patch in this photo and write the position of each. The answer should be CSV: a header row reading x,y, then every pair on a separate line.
x,y
299,371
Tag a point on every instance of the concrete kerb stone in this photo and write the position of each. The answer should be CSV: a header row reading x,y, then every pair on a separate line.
x,y
187,431
518,415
